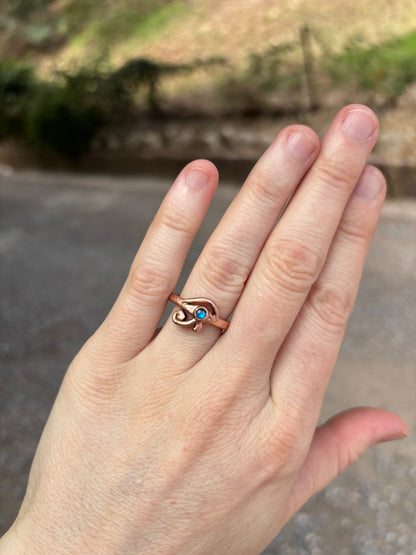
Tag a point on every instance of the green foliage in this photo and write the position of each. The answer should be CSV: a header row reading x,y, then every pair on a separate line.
x,y
62,116
137,72
263,75
158,19
126,21
42,25
140,72
268,68
65,114
17,88
24,8
385,68
77,14
62,120
93,85
28,24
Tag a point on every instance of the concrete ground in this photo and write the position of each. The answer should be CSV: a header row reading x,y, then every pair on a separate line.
x,y
66,243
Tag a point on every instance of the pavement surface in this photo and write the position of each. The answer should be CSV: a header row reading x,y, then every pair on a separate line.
x,y
66,243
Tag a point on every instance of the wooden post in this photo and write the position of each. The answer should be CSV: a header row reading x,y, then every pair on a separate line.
x,y
309,67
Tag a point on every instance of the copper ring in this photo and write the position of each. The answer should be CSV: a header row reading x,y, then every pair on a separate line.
x,y
196,312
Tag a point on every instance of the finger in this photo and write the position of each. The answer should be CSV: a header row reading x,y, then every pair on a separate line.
x,y
304,364
226,261
339,443
156,268
296,250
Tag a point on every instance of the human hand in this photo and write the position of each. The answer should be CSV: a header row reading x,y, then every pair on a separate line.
x,y
207,443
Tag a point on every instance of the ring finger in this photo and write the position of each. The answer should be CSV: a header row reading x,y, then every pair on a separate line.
x,y
230,254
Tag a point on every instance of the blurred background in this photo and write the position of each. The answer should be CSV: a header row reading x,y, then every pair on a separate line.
x,y
118,85
101,103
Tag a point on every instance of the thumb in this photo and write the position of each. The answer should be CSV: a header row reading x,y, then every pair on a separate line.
x,y
337,444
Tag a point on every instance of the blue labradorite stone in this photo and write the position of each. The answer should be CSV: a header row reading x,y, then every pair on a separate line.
x,y
201,313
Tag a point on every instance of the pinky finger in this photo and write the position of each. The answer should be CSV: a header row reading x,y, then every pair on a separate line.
x,y
305,361
132,322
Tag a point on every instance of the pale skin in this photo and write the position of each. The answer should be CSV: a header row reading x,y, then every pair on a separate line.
x,y
183,442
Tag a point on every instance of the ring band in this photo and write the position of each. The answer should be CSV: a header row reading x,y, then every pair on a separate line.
x,y
196,312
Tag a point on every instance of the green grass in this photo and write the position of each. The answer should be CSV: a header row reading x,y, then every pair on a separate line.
x,y
128,23
159,19
387,68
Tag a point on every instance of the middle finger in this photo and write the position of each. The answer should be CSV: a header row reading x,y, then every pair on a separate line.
x,y
296,251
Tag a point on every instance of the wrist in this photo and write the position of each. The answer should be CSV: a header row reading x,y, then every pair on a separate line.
x,y
12,542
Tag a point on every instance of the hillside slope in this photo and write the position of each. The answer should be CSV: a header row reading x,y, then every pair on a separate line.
x,y
179,30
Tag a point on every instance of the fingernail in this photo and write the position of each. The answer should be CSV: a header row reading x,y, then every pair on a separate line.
x,y
394,437
196,178
359,125
301,145
369,185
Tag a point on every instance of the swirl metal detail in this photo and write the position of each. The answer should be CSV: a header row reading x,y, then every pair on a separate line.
x,y
194,313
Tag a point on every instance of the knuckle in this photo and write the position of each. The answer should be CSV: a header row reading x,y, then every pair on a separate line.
x,y
148,281
223,271
332,304
285,446
337,175
355,230
177,221
346,455
293,264
264,186
344,459
215,409
99,387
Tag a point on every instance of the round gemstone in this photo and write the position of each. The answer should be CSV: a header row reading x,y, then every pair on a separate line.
x,y
201,313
